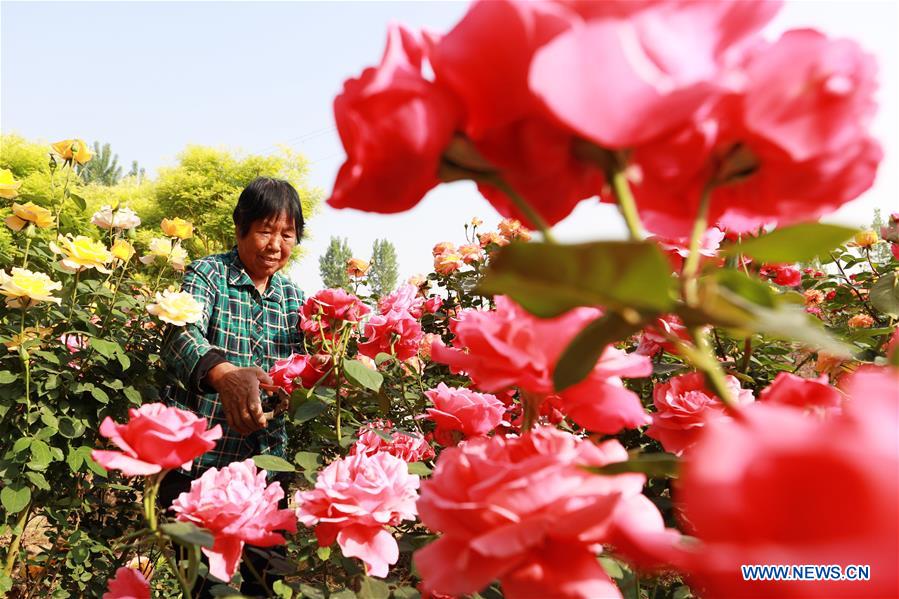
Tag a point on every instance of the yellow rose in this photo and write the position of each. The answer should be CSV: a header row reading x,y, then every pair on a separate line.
x,y
73,150
23,288
122,250
9,187
177,227
476,222
176,307
865,239
81,252
22,214
356,267
178,258
160,247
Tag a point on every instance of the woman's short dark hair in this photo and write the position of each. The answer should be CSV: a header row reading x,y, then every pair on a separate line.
x,y
266,198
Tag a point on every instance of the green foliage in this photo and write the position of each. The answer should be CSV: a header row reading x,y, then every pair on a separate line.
x,y
103,168
384,271
332,264
203,189
793,244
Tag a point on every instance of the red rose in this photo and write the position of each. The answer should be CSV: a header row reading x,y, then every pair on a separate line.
x,y
394,125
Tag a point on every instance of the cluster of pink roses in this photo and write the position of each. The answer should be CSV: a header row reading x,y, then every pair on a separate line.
x,y
774,131
508,347
395,329
409,447
235,504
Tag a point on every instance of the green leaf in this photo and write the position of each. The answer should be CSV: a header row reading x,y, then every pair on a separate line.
x,y
307,460
323,553
343,594
308,410
582,353
361,375
79,201
884,294
40,453
798,243
419,468
661,465
70,428
311,592
105,348
188,533
282,590
133,395
38,480
15,497
6,377
550,279
21,444
746,305
611,566
382,357
373,588
273,463
406,593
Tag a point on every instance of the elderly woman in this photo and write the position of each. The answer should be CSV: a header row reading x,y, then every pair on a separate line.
x,y
250,318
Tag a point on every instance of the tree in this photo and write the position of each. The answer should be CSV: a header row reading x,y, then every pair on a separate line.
x,y
103,168
332,264
383,273
136,171
203,188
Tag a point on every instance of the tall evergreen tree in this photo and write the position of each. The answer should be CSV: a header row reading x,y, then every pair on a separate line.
x,y
103,168
332,264
383,274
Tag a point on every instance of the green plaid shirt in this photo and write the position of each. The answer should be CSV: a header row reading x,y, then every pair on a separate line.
x,y
245,328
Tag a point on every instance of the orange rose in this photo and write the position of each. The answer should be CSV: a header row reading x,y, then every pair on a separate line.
x,y
356,268
73,150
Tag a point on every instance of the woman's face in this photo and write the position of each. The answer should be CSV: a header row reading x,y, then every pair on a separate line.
x,y
266,247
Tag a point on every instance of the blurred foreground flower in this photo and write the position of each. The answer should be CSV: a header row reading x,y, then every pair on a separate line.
x,y
24,287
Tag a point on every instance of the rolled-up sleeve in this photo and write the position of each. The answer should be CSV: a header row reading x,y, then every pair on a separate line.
x,y
188,353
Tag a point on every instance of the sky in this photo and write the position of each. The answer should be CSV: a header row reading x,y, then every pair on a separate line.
x,y
152,77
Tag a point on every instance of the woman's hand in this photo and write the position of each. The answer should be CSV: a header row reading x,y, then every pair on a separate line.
x,y
238,390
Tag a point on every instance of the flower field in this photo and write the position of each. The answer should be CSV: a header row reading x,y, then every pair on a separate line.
x,y
636,418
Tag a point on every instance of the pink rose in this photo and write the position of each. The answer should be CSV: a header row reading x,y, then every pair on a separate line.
x,y
745,495
654,337
685,406
326,313
666,61
405,300
309,369
433,304
524,510
462,412
777,155
394,334
508,347
157,437
813,394
354,500
394,125
237,507
73,342
409,447
485,60
127,583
